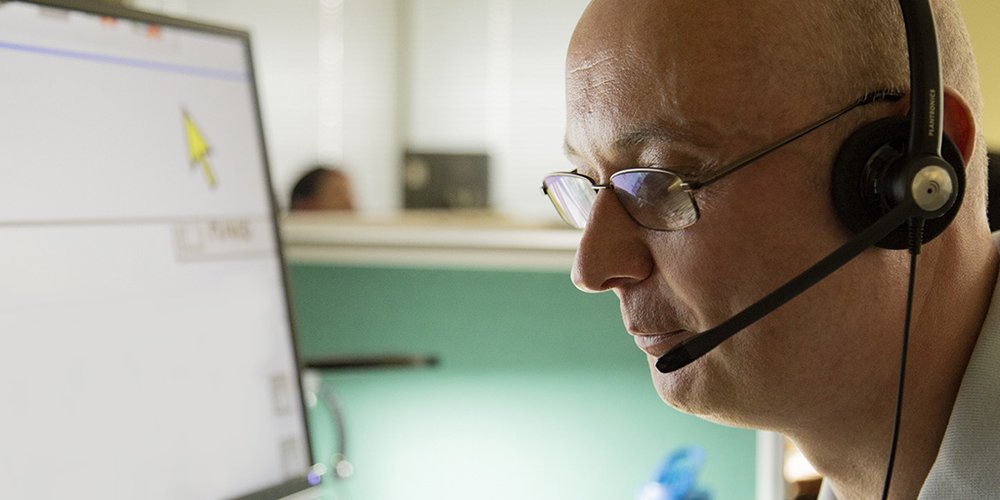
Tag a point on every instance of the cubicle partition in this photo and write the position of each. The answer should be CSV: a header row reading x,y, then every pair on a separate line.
x,y
463,364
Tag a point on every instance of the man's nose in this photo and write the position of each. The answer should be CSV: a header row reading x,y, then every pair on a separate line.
x,y
612,250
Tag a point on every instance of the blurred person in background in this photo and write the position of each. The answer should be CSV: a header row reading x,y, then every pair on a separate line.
x,y
323,188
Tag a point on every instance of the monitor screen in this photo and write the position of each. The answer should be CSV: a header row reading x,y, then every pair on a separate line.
x,y
146,348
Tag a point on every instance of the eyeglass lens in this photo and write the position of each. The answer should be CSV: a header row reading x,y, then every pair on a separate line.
x,y
573,196
654,198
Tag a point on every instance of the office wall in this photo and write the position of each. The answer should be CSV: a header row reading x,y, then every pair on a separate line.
x,y
488,76
356,81
982,18
539,393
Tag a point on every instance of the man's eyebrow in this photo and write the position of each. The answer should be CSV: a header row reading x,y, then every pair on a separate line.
x,y
640,136
653,132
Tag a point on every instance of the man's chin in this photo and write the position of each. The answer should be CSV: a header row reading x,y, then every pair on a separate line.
x,y
688,390
693,390
680,389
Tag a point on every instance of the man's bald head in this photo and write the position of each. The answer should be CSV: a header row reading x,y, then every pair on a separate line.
x,y
817,53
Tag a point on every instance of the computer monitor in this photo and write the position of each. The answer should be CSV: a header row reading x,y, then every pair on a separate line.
x,y
146,347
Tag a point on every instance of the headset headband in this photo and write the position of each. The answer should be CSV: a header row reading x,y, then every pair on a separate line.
x,y
926,100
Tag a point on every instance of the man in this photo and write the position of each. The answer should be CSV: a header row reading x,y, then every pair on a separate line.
x,y
692,86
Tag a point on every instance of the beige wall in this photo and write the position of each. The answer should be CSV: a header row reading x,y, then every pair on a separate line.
x,y
983,18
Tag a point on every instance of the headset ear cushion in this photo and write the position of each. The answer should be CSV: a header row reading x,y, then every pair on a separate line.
x,y
857,179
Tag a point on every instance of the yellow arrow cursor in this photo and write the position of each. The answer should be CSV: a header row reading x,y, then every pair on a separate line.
x,y
198,149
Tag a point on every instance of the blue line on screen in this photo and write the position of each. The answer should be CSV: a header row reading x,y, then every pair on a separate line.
x,y
217,74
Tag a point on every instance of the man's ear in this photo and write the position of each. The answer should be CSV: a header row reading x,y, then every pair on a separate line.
x,y
958,122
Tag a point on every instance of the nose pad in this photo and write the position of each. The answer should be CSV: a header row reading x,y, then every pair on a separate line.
x,y
612,249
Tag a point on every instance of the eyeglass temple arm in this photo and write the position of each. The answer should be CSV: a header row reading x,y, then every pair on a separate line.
x,y
882,95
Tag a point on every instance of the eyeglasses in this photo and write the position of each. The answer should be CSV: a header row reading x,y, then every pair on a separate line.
x,y
657,198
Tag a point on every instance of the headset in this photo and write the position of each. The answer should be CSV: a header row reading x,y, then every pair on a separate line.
x,y
877,162
896,183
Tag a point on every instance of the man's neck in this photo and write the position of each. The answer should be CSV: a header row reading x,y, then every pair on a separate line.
x,y
851,448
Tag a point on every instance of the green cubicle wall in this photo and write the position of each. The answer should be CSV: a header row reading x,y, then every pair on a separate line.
x,y
539,393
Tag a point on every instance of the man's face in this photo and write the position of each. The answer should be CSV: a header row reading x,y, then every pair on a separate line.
x,y
690,88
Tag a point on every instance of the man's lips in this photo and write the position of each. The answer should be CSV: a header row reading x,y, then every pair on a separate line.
x,y
658,344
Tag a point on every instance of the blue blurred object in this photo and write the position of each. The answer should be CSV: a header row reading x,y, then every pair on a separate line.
x,y
676,477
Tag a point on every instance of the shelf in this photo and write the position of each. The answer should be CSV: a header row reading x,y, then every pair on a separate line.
x,y
476,241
